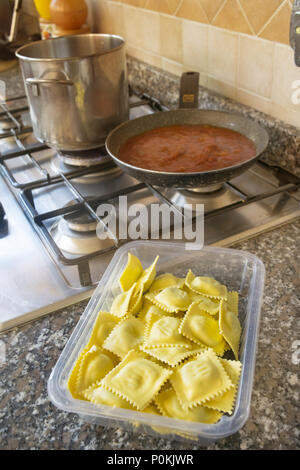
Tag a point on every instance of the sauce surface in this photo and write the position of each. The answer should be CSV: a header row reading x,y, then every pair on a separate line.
x,y
187,149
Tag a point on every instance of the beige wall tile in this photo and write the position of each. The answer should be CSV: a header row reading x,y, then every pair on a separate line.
x,y
222,54
285,114
255,101
192,10
108,17
285,73
231,17
255,65
144,56
259,11
134,3
195,44
173,67
163,6
178,69
171,38
221,87
211,7
142,29
278,29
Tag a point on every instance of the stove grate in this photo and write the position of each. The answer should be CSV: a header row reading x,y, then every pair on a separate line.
x,y
286,183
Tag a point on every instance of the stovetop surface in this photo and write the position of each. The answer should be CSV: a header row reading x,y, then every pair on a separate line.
x,y
36,281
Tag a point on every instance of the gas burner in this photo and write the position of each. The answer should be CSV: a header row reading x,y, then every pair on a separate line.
x,y
211,188
84,158
105,167
75,234
212,198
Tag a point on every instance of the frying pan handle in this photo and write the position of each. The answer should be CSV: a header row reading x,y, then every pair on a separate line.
x,y
189,90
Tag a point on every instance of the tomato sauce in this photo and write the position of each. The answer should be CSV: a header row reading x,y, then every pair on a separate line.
x,y
187,149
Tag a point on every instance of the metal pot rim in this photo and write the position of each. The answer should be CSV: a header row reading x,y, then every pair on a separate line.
x,y
63,59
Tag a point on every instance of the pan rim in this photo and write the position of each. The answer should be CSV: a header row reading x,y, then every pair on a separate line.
x,y
190,174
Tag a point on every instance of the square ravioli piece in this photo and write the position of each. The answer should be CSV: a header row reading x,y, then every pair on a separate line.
x,y
126,335
103,326
202,328
136,379
200,379
170,406
206,286
230,328
225,401
100,396
171,299
162,331
94,364
171,355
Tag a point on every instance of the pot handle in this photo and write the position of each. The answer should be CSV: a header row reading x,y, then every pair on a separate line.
x,y
36,82
189,90
48,81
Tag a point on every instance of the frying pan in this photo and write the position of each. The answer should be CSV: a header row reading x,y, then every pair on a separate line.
x,y
186,115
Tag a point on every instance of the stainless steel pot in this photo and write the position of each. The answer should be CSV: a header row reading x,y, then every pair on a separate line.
x,y
77,89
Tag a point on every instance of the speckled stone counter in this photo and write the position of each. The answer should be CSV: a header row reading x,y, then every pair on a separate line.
x,y
28,420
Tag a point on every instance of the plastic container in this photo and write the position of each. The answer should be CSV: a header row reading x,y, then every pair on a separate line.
x,y
238,270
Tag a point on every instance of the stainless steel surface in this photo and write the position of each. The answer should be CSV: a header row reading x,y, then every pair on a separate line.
x,y
117,137
34,282
295,31
84,75
48,81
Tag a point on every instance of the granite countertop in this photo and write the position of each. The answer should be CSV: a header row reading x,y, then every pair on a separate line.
x,y
28,420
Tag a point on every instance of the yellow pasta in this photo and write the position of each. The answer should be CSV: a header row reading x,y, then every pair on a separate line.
x,y
163,331
147,309
95,364
210,306
147,277
131,273
121,304
74,374
200,327
206,286
136,379
233,302
171,355
126,335
166,280
169,405
160,348
100,396
225,401
230,328
200,379
104,324
171,299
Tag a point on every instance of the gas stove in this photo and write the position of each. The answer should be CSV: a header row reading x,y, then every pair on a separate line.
x,y
51,256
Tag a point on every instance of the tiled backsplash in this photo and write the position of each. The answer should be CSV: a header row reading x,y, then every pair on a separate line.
x,y
240,47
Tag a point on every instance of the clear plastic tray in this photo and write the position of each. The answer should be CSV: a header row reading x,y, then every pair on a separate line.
x,y
239,270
